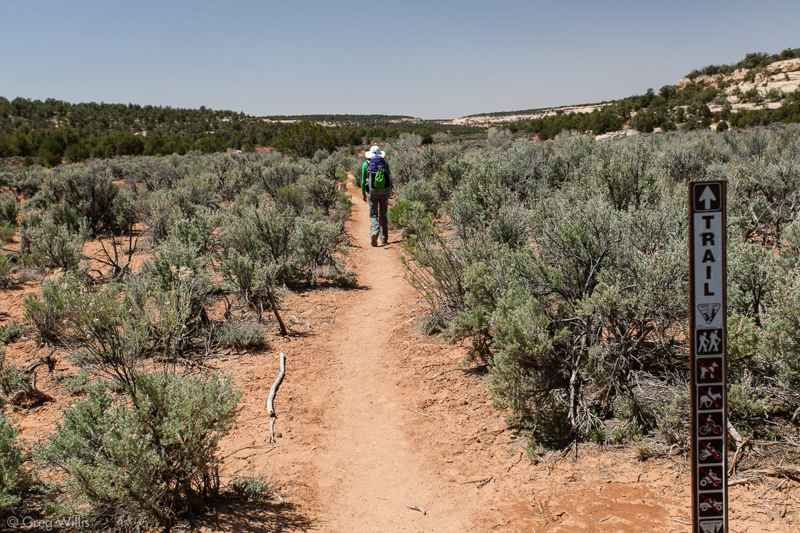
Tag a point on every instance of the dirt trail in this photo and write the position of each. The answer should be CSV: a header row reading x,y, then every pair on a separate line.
x,y
369,470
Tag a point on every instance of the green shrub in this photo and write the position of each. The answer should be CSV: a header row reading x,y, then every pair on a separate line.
x,y
12,380
150,460
6,269
356,171
193,233
249,488
11,476
155,172
624,173
78,384
782,334
76,193
256,283
499,138
27,181
746,404
673,421
161,213
293,248
10,332
241,335
314,244
321,192
169,310
436,270
9,209
50,245
408,215
7,232
47,312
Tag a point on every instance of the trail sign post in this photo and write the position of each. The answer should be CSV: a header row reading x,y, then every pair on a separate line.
x,y
707,329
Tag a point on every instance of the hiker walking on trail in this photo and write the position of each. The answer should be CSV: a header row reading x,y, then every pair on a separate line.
x,y
376,186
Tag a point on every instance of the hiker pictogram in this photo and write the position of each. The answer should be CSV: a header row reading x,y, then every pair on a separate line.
x,y
709,341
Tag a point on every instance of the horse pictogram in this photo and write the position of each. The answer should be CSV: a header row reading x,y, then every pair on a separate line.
x,y
710,398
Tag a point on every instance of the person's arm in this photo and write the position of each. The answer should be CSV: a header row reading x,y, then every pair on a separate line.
x,y
364,180
388,178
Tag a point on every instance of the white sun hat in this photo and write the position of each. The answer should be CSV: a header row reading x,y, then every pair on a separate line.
x,y
374,151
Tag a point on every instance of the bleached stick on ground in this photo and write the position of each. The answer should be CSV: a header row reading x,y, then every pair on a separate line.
x,y
271,398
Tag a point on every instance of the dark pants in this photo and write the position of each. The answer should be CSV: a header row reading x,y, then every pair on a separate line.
x,y
379,221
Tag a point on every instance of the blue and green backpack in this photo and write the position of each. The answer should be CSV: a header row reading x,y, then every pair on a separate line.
x,y
378,174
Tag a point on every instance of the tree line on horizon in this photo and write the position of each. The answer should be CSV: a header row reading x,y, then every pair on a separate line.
x,y
50,132
753,60
672,108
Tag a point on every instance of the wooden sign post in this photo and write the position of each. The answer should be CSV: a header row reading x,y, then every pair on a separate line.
x,y
707,329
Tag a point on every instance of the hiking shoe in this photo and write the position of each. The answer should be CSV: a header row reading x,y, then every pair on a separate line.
x,y
374,240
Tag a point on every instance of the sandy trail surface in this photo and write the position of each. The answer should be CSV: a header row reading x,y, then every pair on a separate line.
x,y
371,471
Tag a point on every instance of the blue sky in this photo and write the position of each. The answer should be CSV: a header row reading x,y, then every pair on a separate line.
x,y
425,58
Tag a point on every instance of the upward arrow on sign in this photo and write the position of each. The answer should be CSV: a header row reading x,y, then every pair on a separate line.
x,y
708,198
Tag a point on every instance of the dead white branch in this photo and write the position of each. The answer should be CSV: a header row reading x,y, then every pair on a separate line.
x,y
271,398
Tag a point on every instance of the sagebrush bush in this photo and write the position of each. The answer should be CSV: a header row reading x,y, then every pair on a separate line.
x,y
294,247
11,476
564,264
241,335
6,269
161,212
53,245
27,180
46,313
77,193
12,380
153,458
255,282
437,272
10,332
498,137
170,307
155,172
782,335
9,209
407,214
7,232
141,444
249,488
